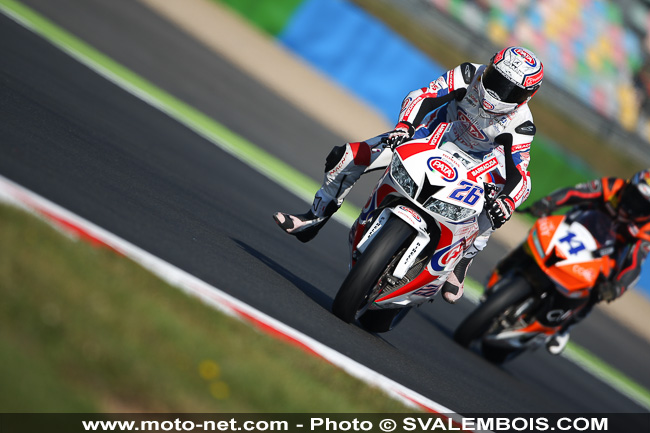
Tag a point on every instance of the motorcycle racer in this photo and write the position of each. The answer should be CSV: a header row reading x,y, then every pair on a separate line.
x,y
627,202
478,107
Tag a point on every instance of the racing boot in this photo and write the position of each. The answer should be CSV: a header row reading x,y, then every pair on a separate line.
x,y
453,290
307,225
343,167
556,344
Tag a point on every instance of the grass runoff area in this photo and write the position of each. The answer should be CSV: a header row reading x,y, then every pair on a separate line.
x,y
83,329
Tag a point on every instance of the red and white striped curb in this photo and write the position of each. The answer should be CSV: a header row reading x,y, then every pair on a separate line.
x,y
70,223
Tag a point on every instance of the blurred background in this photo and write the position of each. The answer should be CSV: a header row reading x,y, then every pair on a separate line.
x,y
592,113
84,330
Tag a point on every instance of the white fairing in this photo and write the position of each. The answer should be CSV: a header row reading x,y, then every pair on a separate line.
x,y
574,241
457,183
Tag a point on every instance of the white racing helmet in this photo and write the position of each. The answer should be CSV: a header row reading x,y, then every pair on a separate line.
x,y
512,78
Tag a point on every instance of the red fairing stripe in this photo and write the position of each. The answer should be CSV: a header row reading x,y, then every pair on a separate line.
x,y
495,177
421,280
446,236
408,150
360,153
425,277
384,190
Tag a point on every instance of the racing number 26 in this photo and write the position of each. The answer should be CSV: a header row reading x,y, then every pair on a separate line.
x,y
469,193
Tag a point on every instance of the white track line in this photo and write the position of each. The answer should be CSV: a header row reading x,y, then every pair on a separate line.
x,y
71,223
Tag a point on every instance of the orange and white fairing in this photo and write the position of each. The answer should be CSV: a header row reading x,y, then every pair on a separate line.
x,y
565,252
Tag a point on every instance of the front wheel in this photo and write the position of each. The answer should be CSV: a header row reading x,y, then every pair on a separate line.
x,y
486,318
354,294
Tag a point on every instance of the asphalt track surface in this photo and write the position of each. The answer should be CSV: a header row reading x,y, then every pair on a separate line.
x,y
75,138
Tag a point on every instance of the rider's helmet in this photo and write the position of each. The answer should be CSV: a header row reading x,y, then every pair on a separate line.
x,y
634,204
512,78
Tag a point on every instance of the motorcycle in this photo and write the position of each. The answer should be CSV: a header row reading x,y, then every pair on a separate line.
x,y
418,222
538,289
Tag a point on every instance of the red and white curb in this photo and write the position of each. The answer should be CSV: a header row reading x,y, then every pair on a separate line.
x,y
78,227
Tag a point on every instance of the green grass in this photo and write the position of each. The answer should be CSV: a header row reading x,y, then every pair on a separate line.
x,y
268,15
551,168
83,329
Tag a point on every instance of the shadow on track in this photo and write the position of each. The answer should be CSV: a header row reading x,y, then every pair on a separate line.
x,y
307,288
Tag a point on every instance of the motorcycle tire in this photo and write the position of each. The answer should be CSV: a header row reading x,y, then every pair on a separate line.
x,y
477,324
362,278
378,321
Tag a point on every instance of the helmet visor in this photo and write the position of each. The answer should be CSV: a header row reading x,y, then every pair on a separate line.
x,y
503,88
492,104
635,205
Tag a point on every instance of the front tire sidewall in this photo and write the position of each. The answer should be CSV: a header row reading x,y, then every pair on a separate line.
x,y
477,324
362,278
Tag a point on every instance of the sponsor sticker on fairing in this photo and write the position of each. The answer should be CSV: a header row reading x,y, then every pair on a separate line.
x,y
429,290
469,230
447,255
449,173
411,212
483,168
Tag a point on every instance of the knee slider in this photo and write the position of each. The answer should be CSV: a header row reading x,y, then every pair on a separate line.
x,y
334,157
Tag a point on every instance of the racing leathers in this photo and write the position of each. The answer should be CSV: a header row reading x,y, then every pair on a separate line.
x,y
453,98
630,249
632,242
452,107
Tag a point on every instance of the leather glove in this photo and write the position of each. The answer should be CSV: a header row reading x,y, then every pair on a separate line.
x,y
540,208
402,132
500,210
608,291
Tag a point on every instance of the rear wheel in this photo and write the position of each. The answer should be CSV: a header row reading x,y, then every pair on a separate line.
x,y
488,317
359,285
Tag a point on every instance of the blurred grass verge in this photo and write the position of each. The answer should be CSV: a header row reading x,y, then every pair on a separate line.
x,y
83,329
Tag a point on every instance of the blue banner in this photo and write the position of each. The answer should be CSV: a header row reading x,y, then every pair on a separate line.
x,y
359,53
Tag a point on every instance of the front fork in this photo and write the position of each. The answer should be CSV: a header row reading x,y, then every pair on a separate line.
x,y
412,252
551,311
